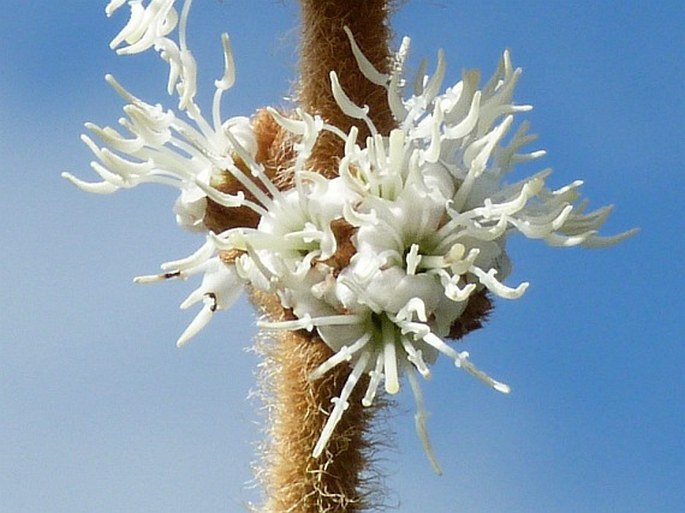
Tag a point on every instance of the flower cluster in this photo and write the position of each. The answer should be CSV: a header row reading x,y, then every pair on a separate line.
x,y
382,260
186,152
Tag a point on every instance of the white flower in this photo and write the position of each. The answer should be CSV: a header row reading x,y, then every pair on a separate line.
x,y
146,26
289,251
187,152
383,260
431,212
220,288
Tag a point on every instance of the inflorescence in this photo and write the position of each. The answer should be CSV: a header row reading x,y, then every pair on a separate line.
x,y
381,260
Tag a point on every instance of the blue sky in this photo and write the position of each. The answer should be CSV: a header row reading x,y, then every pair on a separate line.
x,y
100,413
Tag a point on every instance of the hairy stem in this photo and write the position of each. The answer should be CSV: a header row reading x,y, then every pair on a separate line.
x,y
298,407
295,481
325,48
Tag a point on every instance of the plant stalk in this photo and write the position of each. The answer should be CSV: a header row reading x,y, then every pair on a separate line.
x,y
298,407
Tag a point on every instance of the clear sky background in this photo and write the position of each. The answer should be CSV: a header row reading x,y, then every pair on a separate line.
x,y
100,413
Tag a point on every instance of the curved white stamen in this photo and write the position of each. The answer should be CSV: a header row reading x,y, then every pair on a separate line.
x,y
293,126
344,354
341,404
346,105
183,26
493,284
397,106
96,188
464,127
435,82
375,379
465,364
112,6
199,322
420,418
201,255
605,242
392,384
432,153
228,200
368,70
415,357
223,84
307,323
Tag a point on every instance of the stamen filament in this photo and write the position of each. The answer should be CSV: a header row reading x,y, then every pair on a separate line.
x,y
392,384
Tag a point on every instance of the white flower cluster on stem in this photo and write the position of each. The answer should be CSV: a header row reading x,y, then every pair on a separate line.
x,y
425,210
186,152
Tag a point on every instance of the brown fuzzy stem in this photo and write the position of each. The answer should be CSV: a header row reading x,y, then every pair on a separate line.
x,y
326,48
295,481
299,407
